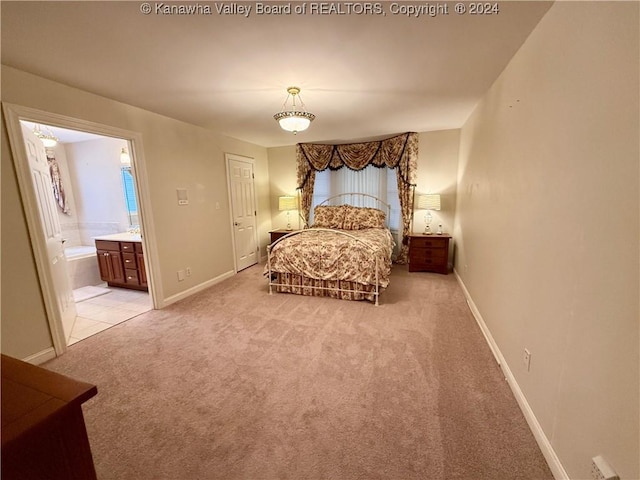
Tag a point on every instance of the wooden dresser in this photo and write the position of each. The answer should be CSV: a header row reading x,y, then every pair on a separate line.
x,y
43,430
429,253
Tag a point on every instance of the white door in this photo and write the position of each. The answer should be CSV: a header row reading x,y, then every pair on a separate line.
x,y
51,227
243,210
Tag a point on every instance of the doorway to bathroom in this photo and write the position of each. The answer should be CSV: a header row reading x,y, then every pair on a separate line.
x,y
86,188
95,198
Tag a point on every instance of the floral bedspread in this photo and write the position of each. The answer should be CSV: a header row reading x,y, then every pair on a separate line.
x,y
331,255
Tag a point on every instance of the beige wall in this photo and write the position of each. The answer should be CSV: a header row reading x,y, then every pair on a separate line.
x,y
437,173
547,228
178,155
282,174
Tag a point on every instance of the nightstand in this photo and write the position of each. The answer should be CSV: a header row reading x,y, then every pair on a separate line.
x,y
429,253
276,234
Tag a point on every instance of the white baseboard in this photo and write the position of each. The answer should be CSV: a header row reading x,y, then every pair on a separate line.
x,y
198,288
41,357
558,471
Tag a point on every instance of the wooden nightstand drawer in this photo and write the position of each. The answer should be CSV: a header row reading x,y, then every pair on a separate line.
x,y
421,254
427,264
430,241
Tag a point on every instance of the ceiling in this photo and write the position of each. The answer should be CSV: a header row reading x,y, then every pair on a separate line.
x,y
363,76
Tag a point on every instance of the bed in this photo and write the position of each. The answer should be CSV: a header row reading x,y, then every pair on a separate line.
x,y
345,254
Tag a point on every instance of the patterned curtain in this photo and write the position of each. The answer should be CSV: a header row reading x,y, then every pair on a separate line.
x,y
400,152
56,183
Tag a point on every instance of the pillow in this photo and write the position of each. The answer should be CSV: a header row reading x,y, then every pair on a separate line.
x,y
325,216
360,218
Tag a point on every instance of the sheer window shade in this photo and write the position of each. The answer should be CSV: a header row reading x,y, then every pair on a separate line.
x,y
379,182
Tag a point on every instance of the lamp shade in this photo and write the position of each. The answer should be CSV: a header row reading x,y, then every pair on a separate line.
x,y
287,203
429,202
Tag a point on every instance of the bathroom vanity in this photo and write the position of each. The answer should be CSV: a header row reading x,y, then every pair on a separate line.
x,y
121,260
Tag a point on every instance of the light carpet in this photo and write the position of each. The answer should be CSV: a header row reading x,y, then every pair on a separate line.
x,y
233,383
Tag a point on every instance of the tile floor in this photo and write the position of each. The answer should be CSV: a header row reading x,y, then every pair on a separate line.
x,y
99,313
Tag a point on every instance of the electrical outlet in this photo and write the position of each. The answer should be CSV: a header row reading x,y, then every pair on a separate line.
x,y
526,359
601,470
188,271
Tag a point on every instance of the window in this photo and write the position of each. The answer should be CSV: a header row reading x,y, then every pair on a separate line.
x,y
131,202
379,182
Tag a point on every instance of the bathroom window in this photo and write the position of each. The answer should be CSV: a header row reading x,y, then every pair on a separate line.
x,y
130,199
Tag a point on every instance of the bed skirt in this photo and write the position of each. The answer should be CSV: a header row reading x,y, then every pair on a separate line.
x,y
342,289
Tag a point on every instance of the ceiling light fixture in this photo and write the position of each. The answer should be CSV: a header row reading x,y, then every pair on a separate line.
x,y
49,140
295,119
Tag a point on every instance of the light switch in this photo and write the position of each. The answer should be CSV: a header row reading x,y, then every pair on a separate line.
x,y
183,199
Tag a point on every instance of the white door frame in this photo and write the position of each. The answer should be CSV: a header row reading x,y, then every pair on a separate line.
x,y
240,158
13,114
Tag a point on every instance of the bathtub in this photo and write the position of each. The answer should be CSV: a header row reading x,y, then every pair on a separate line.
x,y
80,251
82,266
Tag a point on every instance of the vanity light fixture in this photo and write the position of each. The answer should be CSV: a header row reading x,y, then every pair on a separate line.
x,y
49,140
294,119
125,159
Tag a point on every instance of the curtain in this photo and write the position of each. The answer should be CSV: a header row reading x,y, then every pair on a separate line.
x,y
56,183
399,152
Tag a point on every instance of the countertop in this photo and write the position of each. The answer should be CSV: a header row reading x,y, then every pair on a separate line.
x,y
121,237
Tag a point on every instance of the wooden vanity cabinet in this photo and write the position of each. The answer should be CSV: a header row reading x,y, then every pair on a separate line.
x,y
142,272
121,264
110,261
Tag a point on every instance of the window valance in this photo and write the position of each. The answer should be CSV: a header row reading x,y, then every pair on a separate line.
x,y
399,152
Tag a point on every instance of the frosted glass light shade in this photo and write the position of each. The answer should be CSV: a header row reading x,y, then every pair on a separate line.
x,y
294,121
49,140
